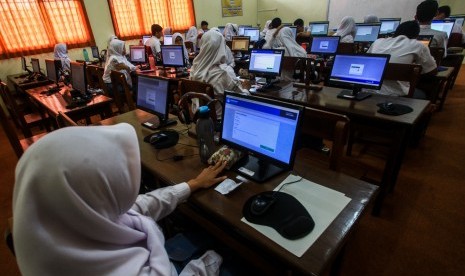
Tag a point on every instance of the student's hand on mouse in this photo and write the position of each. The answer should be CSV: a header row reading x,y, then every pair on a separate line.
x,y
246,84
208,177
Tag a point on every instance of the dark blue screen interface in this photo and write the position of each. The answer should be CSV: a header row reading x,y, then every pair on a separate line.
x,y
152,95
326,45
358,69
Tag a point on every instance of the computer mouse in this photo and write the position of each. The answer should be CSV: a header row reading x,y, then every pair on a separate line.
x,y
157,137
262,203
388,106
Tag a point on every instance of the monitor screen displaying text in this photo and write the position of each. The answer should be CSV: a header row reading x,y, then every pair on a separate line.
x,y
358,69
152,94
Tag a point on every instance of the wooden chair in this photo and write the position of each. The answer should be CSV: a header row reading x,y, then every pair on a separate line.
x,y
346,48
24,121
453,60
438,54
122,93
404,72
64,120
328,126
19,145
186,85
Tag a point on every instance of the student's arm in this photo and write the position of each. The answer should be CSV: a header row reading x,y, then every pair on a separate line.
x,y
427,62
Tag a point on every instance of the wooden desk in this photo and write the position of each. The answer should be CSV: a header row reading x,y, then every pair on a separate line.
x,y
221,215
55,103
20,86
365,113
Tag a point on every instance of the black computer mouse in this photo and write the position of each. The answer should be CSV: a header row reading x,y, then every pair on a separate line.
x,y
388,106
262,203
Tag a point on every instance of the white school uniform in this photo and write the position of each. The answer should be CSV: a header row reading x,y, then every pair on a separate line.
x,y
439,39
154,44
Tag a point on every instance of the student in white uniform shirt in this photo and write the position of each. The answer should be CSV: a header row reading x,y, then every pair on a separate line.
x,y
117,62
346,30
270,34
230,30
265,29
426,11
86,214
154,41
404,48
191,36
443,13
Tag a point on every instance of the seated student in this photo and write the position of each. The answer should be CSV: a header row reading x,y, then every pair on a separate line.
x,y
154,41
86,213
229,54
191,36
405,48
203,28
370,19
108,46
117,62
269,36
265,29
346,30
60,52
426,11
210,66
443,13
285,40
230,30
178,40
303,32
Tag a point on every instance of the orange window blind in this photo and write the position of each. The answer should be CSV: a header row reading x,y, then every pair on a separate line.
x,y
35,26
133,18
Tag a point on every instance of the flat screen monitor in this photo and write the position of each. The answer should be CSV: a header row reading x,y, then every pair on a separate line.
x,y
240,43
459,19
173,56
265,129
266,63
242,29
221,29
367,32
443,26
254,34
389,25
153,97
24,65
78,76
53,67
137,54
425,39
319,28
145,38
95,53
357,71
324,45
294,31
168,40
35,65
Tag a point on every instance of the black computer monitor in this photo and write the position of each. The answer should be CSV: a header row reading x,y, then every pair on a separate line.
x,y
35,65
324,45
173,56
367,32
319,28
254,34
266,63
357,71
459,19
240,43
242,29
445,25
24,65
53,67
137,54
145,38
265,129
152,96
388,25
95,52
168,40
425,39
294,31
78,76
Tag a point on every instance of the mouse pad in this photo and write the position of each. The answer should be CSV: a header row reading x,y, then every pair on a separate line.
x,y
286,215
395,110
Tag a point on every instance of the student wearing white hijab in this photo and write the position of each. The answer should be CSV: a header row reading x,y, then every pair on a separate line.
x,y
191,35
178,40
346,30
117,61
285,40
211,66
108,46
77,211
265,29
229,31
60,52
370,19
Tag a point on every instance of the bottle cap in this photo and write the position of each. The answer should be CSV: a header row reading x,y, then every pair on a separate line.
x,y
204,109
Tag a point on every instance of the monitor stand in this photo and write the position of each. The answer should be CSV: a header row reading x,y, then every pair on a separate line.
x,y
157,122
269,84
354,94
257,169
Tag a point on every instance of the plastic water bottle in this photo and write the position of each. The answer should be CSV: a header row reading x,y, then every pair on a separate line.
x,y
205,134
86,55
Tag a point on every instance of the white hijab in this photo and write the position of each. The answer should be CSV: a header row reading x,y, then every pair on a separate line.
x,y
211,64
112,37
192,35
346,28
285,39
265,29
175,36
60,52
71,206
370,19
229,31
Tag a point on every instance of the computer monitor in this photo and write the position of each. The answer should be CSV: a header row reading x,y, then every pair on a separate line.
x,y
95,52
242,29
240,43
266,63
266,130
35,65
294,31
24,65
357,71
53,67
137,54
254,34
319,28
459,19
324,45
153,97
173,56
389,25
445,25
168,40
145,38
221,28
367,32
425,39
78,76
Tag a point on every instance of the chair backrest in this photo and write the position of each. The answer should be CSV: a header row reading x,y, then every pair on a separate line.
x,y
93,76
185,86
329,126
189,46
10,132
15,112
64,120
455,40
437,53
346,48
404,72
119,83
229,44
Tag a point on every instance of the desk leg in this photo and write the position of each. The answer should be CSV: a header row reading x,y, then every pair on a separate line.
x,y
445,90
